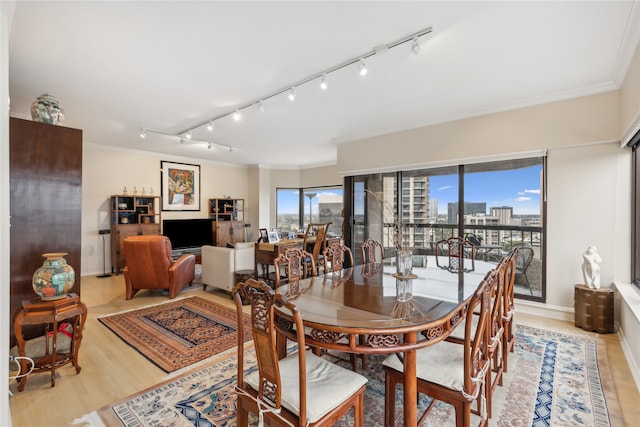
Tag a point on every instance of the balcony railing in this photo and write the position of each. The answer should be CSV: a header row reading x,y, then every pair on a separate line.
x,y
495,241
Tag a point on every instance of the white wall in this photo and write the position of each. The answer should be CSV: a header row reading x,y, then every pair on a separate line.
x,y
587,204
107,170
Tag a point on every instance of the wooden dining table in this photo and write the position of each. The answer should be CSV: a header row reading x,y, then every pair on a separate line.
x,y
339,308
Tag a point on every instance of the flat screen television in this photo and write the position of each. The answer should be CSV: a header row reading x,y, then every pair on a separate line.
x,y
188,233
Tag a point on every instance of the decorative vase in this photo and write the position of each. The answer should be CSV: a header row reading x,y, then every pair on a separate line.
x,y
55,278
404,275
404,262
46,109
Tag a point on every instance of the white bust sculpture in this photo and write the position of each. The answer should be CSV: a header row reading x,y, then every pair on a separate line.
x,y
591,267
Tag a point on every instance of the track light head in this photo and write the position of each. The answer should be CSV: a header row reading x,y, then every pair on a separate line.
x,y
323,82
143,133
292,94
261,105
362,68
210,126
189,134
182,140
209,146
237,116
415,46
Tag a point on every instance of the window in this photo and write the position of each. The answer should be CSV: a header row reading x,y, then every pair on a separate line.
x,y
635,210
497,205
297,207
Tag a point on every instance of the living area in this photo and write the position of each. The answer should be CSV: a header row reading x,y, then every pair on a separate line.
x,y
582,135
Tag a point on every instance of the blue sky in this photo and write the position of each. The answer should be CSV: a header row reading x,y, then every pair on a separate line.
x,y
518,188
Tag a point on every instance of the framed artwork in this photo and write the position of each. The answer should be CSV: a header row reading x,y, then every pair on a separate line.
x,y
180,186
264,235
274,237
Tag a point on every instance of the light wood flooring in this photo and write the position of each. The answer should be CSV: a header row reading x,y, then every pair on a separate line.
x,y
111,370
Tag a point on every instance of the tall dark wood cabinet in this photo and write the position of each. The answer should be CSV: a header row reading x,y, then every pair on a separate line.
x,y
46,202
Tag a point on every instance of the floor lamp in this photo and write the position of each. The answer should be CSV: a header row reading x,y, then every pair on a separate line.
x,y
104,254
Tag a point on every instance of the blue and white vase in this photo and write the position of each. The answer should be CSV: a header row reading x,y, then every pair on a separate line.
x,y
55,279
46,109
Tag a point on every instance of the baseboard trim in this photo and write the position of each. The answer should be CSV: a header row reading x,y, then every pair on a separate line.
x,y
545,310
628,354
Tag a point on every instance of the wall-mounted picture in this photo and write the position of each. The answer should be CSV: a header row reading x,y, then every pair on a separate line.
x,y
180,186
274,237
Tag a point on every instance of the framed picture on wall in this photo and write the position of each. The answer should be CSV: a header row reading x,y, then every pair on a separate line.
x,y
180,186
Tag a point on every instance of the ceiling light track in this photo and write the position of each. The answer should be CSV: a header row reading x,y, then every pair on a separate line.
x,y
287,89
184,137
358,61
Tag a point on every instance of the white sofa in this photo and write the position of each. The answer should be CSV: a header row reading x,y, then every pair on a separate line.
x,y
219,264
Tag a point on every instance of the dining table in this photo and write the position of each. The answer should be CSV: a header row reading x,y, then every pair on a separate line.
x,y
358,310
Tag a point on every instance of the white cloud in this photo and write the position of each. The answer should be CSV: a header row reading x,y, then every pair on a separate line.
x,y
523,199
532,191
446,187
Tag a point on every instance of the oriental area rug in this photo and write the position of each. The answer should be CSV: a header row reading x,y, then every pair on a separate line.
x,y
179,333
553,380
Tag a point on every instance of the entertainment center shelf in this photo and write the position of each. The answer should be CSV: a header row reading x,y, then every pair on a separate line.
x,y
228,220
131,216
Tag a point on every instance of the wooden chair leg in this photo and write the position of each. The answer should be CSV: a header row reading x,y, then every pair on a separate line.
x,y
390,383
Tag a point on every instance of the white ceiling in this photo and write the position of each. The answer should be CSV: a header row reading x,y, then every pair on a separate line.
x,y
119,66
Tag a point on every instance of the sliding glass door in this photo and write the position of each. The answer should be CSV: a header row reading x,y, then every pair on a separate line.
x,y
496,205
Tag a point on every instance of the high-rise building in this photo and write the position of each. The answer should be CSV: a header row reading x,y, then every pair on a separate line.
x,y
504,213
470,208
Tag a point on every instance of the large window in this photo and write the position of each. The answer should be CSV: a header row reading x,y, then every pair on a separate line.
x,y
635,210
297,207
496,205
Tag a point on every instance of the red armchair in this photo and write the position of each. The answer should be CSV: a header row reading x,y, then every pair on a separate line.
x,y
149,266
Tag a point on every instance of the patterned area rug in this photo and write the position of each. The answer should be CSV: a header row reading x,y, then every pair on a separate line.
x,y
554,379
178,333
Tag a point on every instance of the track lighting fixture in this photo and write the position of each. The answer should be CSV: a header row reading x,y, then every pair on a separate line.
x,y
359,61
143,133
415,46
209,146
182,140
362,68
323,82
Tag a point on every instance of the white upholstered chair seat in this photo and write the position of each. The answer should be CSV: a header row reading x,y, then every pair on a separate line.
x,y
441,363
328,385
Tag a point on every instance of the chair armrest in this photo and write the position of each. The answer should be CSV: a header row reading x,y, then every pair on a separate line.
x,y
184,269
245,258
218,267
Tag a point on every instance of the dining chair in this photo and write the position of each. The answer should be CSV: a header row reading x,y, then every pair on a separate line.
x,y
335,256
319,230
299,389
494,278
447,371
372,251
508,306
456,249
290,266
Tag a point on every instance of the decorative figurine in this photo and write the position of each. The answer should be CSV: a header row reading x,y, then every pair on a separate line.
x,y
124,192
591,267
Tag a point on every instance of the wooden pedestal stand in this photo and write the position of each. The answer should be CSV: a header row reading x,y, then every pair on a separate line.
x,y
594,309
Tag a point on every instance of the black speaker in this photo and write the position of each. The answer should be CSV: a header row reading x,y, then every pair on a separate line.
x,y
104,253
